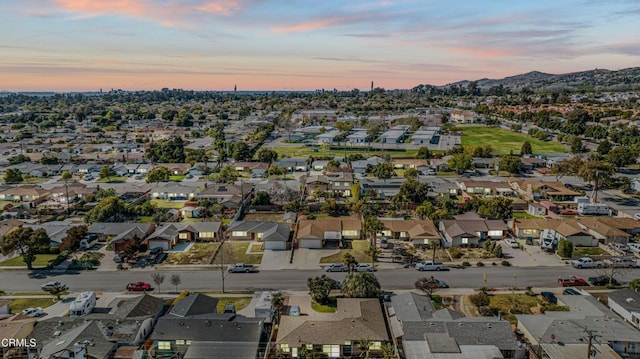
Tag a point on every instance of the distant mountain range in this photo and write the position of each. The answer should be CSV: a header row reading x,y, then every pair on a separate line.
x,y
598,79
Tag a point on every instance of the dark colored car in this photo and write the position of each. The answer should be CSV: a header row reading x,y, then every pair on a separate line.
x,y
602,280
160,258
550,297
336,284
155,251
138,286
571,291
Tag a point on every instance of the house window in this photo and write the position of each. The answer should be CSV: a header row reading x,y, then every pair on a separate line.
x,y
465,240
188,342
164,345
207,234
350,233
404,235
376,345
259,235
333,351
179,342
309,346
284,347
495,233
183,235
238,234
529,231
294,352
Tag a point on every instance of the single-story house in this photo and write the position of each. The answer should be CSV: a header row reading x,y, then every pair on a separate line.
x,y
315,233
626,303
275,235
418,232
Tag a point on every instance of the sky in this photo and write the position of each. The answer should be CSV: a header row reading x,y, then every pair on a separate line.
x,y
87,45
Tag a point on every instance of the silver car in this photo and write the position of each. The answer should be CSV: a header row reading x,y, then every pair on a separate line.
x,y
362,267
336,267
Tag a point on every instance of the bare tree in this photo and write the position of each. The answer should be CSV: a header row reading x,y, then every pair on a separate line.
x,y
222,259
176,280
158,278
427,285
616,266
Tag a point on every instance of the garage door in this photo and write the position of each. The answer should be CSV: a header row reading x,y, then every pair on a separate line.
x,y
275,245
159,244
311,243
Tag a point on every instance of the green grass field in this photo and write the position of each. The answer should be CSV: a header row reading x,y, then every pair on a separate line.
x,y
41,261
503,141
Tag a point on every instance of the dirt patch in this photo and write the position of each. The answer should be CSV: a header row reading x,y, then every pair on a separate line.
x,y
264,216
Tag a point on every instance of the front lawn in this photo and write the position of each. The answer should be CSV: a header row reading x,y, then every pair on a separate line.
x,y
357,250
199,253
114,179
176,178
237,253
588,251
329,307
41,261
523,215
238,302
17,305
163,203
504,141
511,304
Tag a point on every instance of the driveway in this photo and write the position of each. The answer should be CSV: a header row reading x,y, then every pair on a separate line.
x,y
302,259
531,256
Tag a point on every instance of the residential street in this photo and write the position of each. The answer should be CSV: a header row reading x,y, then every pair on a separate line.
x,y
393,279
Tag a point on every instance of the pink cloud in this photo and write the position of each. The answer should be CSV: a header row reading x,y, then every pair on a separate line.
x,y
307,26
223,7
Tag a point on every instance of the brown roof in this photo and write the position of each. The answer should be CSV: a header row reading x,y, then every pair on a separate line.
x,y
8,225
565,226
353,320
26,191
317,227
603,228
415,227
620,222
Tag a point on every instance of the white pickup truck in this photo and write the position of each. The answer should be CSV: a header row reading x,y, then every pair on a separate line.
x,y
586,262
621,262
429,265
241,268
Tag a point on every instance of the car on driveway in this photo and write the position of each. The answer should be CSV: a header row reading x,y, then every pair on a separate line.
x,y
363,267
571,291
572,281
138,287
336,267
550,297
32,312
49,286
511,243
602,280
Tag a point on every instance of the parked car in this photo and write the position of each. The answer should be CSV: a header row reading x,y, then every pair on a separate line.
x,y
636,216
32,312
442,283
88,177
634,247
621,262
572,281
429,265
117,258
336,284
571,291
336,267
160,258
49,286
602,280
550,297
363,267
294,311
138,287
511,243
156,250
586,262
230,308
241,268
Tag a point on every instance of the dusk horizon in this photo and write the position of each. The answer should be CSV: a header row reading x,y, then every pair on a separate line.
x,y
80,45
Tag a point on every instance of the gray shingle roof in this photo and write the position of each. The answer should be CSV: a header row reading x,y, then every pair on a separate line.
x,y
195,304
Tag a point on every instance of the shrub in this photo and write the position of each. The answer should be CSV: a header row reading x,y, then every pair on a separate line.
x,y
565,248
455,252
466,264
494,264
480,264
54,250
554,308
506,263
479,299
485,311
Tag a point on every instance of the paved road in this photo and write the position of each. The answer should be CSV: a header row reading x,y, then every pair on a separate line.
x,y
19,281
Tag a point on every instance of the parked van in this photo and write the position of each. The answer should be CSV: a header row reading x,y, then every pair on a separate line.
x,y
83,305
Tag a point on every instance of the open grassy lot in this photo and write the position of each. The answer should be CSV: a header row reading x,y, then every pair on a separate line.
x,y
33,180
163,203
17,305
503,141
41,261
114,179
199,253
511,304
588,251
238,302
358,251
237,253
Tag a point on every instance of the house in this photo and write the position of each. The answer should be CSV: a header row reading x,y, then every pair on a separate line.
x,y
126,169
567,228
585,311
176,169
17,327
611,229
424,332
358,137
173,191
340,184
462,117
406,163
121,233
536,190
562,350
74,191
396,134
255,168
316,183
418,232
293,164
275,235
626,303
384,188
194,329
635,184
168,234
316,233
463,232
56,230
424,136
335,334
25,193
363,166
229,195
328,136
536,209
127,322
485,188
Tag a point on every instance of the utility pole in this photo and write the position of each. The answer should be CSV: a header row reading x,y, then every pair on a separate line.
x,y
590,338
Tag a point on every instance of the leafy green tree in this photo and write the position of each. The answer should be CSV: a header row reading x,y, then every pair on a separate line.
x,y
621,156
577,146
565,248
57,291
227,174
267,155
261,199
66,175
277,301
350,261
13,176
27,242
241,151
343,126
383,171
604,147
635,284
596,172
361,285
158,174
460,162
373,251
107,209
49,160
496,207
18,159
331,207
423,153
167,151
511,164
425,210
319,288
72,240
526,148
480,299
107,172
569,167
411,173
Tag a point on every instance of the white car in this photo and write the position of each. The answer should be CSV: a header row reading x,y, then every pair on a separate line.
x,y
511,243
51,285
634,247
32,312
362,267
637,216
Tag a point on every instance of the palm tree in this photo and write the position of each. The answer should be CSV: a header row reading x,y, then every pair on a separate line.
x,y
350,261
277,301
388,351
66,176
411,253
364,346
372,226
